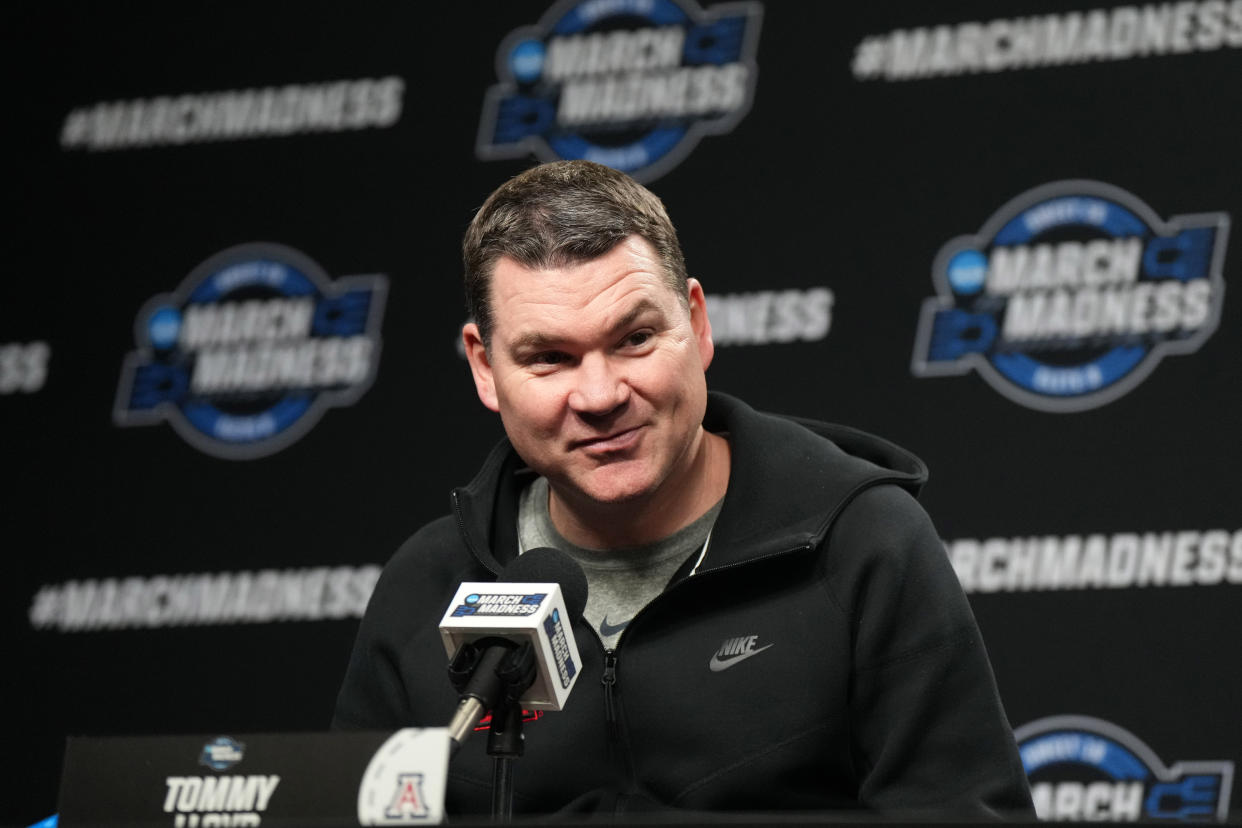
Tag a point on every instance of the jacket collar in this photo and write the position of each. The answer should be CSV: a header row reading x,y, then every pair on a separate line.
x,y
486,508
789,479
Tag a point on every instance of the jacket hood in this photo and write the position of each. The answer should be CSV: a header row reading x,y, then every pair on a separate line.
x,y
789,479
794,476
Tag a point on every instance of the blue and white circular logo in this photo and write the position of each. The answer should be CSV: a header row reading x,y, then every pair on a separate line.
x,y
633,84
250,350
1071,294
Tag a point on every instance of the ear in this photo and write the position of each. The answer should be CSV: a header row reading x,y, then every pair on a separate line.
x,y
480,365
699,322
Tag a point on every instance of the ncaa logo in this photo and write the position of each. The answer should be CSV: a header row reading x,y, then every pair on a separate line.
x,y
222,753
243,358
1071,294
632,84
1087,769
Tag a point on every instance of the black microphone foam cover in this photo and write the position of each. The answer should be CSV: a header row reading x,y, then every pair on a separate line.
x,y
548,565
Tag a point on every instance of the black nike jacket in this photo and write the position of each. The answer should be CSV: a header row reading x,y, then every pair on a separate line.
x,y
822,656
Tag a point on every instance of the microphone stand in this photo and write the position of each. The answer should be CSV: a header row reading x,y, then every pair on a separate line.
x,y
505,742
487,679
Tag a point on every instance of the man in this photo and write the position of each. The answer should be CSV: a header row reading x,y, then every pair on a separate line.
x,y
772,623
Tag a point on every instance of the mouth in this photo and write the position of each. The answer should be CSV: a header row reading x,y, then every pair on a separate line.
x,y
616,441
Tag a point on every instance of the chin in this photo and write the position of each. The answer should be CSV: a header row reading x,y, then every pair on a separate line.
x,y
621,497
618,491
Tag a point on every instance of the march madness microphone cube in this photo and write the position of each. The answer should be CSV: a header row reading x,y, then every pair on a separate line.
x,y
519,612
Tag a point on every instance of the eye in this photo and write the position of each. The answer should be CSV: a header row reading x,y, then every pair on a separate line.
x,y
548,358
637,339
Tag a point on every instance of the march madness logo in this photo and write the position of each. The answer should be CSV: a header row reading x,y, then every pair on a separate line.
x,y
633,84
250,350
222,753
496,604
1071,294
555,632
1087,769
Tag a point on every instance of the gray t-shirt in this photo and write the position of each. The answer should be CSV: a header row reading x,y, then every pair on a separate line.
x,y
620,582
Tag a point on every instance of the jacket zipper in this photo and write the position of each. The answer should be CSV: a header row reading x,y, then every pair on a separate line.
x,y
465,536
609,680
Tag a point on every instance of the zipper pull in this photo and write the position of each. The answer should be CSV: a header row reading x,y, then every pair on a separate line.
x,y
609,680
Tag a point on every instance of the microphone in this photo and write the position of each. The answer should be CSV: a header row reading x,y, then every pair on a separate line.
x,y
512,640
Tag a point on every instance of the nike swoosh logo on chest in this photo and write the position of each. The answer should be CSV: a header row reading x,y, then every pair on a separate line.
x,y
717,663
607,630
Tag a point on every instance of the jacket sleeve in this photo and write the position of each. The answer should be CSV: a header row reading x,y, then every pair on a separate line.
x,y
372,696
389,681
928,732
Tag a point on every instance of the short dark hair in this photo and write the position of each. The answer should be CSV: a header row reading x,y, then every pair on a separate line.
x,y
559,214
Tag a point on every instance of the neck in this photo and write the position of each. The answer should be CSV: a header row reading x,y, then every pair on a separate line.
x,y
677,503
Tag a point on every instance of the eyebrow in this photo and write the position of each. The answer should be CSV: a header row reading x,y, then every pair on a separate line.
x,y
536,341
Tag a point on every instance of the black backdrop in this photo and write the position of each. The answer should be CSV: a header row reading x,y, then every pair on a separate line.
x,y
836,177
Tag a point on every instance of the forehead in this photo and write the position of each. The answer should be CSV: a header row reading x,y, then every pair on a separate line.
x,y
580,297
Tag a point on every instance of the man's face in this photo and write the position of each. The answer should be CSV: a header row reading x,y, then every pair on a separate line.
x,y
597,370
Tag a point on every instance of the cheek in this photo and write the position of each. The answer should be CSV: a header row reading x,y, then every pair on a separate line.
x,y
530,405
669,377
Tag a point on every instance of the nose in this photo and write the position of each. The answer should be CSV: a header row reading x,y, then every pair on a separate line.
x,y
599,387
